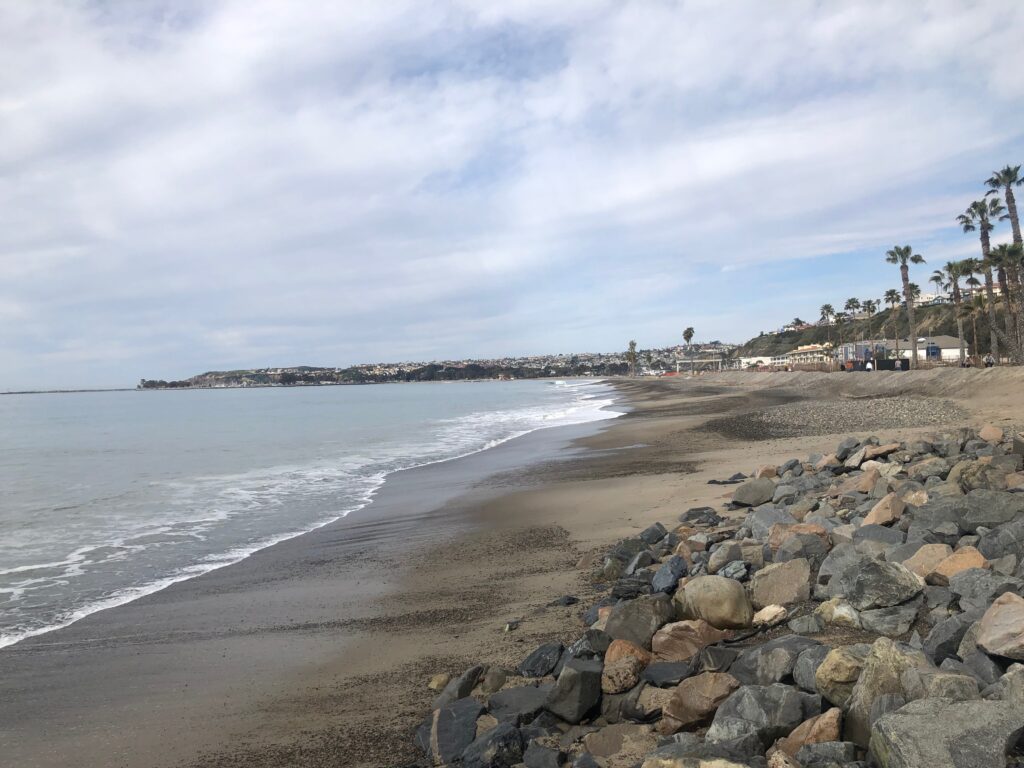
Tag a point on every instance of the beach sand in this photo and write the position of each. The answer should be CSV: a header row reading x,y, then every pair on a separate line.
x,y
317,651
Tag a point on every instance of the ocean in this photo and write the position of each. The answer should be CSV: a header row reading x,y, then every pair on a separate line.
x,y
109,496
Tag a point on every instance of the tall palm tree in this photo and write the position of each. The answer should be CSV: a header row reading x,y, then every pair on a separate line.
x,y
1004,181
979,217
828,314
975,307
892,298
688,337
939,278
904,256
631,357
955,271
1007,260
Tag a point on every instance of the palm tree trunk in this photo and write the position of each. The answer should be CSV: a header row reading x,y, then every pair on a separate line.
x,y
1011,210
908,297
895,333
957,303
1008,321
993,342
974,321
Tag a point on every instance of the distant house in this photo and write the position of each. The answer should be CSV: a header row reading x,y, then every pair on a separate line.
x,y
810,353
936,348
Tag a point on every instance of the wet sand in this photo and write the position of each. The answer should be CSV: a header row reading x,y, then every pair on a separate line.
x,y
317,651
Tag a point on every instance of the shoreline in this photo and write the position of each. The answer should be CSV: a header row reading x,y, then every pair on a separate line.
x,y
427,591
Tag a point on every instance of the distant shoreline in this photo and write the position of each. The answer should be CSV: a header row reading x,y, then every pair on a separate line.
x,y
64,391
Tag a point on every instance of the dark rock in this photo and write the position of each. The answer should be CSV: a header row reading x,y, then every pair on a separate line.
x,y
989,509
868,583
894,620
542,661
640,560
847,447
500,747
594,642
518,705
804,546
702,516
452,728
591,614
937,732
564,600
667,576
761,520
585,760
770,712
827,754
653,534
944,639
537,756
977,588
983,668
667,673
880,533
638,620
737,570
770,662
460,687
837,559
884,704
810,624
1006,539
577,691
632,587
807,664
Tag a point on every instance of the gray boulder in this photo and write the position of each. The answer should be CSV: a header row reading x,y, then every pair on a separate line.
x,y
868,583
577,691
806,666
450,729
770,712
500,747
989,509
977,588
754,492
668,575
540,662
943,640
518,705
954,734
461,686
638,620
893,621
771,662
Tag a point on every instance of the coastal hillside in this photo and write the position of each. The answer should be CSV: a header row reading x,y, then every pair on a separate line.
x,y
935,320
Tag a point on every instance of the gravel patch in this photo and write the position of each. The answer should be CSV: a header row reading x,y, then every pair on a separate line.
x,y
826,417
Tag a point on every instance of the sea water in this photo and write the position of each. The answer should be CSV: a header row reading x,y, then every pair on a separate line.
x,y
108,496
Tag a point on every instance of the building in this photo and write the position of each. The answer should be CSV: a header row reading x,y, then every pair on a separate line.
x,y
944,349
809,353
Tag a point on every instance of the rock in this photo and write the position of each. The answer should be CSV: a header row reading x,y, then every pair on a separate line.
x,y
933,467
651,701
882,673
811,624
500,747
976,589
934,732
806,667
493,680
1001,631
781,584
439,681
668,575
961,560
754,492
766,470
537,756
761,521
518,705
653,534
637,620
623,742
621,675
577,691
460,687
768,712
735,570
617,649
541,661
837,674
451,729
719,601
828,754
1005,539
665,673
945,637
894,620
888,510
770,614
991,433
989,509
926,558
695,700
933,683
723,554
877,451
838,612
868,583
682,640
716,658
770,662
823,727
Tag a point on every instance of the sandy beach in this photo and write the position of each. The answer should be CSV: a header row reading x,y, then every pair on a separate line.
x,y
317,651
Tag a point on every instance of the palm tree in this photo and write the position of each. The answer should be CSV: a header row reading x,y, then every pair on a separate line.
x,y
1004,181
1007,260
852,305
631,357
892,298
688,337
955,270
939,278
828,314
979,217
904,256
972,310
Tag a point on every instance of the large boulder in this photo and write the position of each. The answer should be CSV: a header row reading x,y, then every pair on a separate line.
x,y
450,729
929,733
838,672
893,621
1001,632
721,602
667,576
882,674
825,727
577,691
977,588
868,583
518,705
500,747
989,509
637,620
768,712
924,560
961,560
541,661
695,700
682,640
754,492
770,662
781,584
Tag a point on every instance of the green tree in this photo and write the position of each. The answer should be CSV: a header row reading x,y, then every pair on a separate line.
x,y
631,358
979,217
1004,181
904,256
955,272
1007,260
939,278
688,338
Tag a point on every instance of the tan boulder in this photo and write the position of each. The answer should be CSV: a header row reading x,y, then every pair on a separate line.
x,y
915,497
721,602
889,509
1014,480
824,727
439,681
838,673
621,675
780,532
781,583
839,613
991,433
682,640
1001,631
695,700
882,674
770,614
621,648
767,470
621,744
874,451
926,558
961,560
779,759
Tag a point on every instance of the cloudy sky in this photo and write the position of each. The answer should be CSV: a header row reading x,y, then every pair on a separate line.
x,y
187,186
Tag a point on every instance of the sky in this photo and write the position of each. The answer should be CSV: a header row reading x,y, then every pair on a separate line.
x,y
192,186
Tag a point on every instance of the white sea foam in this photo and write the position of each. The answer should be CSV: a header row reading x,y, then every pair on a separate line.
x,y
211,507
